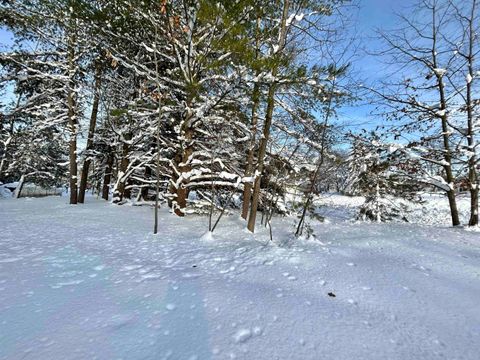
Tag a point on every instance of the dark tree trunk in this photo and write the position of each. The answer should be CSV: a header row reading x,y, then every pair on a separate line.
x,y
473,207
18,191
445,128
108,176
72,123
261,158
453,208
247,189
472,161
268,123
148,173
91,132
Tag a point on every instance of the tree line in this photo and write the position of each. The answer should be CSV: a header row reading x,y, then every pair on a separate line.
x,y
207,105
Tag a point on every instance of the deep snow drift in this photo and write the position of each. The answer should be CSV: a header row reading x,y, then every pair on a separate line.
x,y
92,282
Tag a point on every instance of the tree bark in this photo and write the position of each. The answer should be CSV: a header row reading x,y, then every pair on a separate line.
x,y
144,191
72,120
120,191
473,207
108,175
268,123
6,145
301,223
247,188
261,157
181,191
91,131
450,179
472,161
18,190
159,122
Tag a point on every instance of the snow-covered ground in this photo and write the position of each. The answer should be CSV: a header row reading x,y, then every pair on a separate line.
x,y
92,282
433,209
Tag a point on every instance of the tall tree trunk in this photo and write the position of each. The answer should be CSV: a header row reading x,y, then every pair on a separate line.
x,y
309,200
72,120
108,175
268,122
472,161
91,131
247,189
159,122
261,156
450,179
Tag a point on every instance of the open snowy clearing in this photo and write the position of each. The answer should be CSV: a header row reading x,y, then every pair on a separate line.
x,y
92,282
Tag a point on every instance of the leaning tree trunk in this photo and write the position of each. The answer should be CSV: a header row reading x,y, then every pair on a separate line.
x,y
18,190
91,132
323,143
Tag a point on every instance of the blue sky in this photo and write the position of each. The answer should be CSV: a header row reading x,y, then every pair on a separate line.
x,y
372,15
5,38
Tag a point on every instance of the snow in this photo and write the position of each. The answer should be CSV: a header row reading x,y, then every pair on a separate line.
x,y
469,78
439,71
171,307
434,210
242,335
5,192
91,281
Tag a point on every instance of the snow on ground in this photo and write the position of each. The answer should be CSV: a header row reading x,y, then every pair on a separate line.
x,y
5,193
92,282
432,210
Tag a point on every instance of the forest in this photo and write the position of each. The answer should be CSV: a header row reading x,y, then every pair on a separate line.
x,y
246,121
207,105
